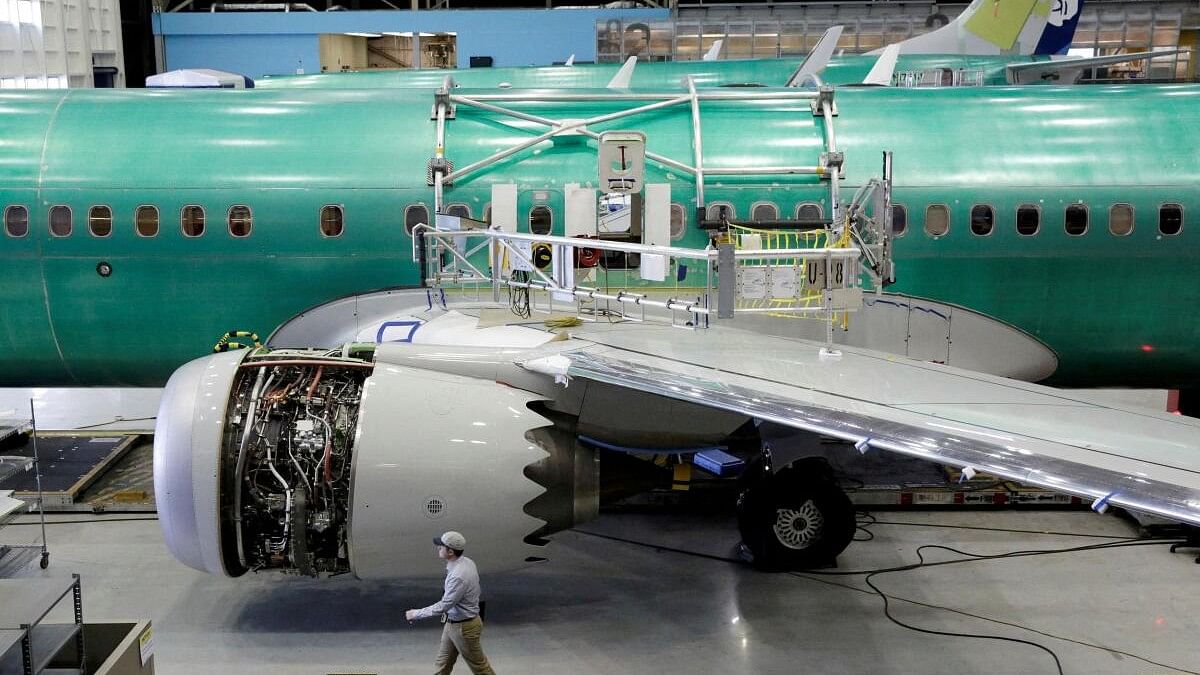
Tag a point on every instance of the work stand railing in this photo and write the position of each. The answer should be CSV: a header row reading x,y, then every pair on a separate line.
x,y
683,286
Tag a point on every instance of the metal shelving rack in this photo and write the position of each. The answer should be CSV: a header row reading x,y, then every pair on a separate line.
x,y
24,605
10,465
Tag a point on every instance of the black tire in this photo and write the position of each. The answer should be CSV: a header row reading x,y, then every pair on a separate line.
x,y
795,519
45,562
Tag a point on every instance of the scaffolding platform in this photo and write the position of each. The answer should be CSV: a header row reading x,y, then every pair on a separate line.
x,y
70,464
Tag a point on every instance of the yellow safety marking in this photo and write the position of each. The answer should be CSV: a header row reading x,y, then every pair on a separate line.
x,y
682,478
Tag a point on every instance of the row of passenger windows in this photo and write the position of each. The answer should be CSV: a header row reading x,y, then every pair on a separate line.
x,y
763,211
239,219
1028,220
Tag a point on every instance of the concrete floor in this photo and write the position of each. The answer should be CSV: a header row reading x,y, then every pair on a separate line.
x,y
604,606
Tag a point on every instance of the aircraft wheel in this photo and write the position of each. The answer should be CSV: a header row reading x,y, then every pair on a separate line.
x,y
45,561
796,519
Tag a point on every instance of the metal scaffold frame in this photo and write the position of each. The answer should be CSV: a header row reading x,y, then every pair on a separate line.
x,y
18,463
442,174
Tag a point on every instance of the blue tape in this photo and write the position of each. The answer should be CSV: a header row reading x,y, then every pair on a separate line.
x,y
1101,505
411,325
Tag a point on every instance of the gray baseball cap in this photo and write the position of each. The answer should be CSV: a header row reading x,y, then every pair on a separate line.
x,y
452,540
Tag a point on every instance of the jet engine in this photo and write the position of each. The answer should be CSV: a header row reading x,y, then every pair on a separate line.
x,y
316,462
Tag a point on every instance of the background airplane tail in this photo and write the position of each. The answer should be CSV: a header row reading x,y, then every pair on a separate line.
x,y
1003,27
1060,27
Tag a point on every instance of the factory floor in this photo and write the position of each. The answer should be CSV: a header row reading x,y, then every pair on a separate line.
x,y
602,605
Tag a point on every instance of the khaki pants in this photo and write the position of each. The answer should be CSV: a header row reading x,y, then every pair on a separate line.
x,y
462,638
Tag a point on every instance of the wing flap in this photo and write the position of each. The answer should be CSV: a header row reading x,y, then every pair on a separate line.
x,y
1140,461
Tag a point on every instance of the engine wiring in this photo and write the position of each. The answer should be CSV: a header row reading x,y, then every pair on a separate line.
x,y
865,520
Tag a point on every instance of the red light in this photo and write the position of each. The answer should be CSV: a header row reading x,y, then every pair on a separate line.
x,y
1147,348
1160,621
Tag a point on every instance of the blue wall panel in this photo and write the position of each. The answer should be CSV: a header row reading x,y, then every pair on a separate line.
x,y
272,43
250,55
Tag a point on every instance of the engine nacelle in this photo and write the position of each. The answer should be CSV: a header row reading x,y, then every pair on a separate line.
x,y
308,463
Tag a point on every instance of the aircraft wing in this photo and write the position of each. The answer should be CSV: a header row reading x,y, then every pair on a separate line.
x,y
1069,70
1035,435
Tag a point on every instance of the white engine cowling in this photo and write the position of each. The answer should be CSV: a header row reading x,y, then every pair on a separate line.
x,y
313,464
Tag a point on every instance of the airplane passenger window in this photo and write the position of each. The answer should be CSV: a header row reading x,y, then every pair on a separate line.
x,y
809,212
1120,219
331,220
720,211
145,220
1170,219
240,220
459,210
541,219
1029,219
899,220
982,219
1076,219
60,221
937,220
414,215
100,221
16,221
678,221
764,211
191,219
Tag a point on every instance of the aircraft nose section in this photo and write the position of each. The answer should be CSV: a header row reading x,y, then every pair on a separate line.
x,y
187,443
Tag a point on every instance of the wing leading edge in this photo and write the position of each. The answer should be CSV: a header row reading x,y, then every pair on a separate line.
x,y
1030,434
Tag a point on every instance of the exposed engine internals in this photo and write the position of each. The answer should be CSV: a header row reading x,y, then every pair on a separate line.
x,y
286,463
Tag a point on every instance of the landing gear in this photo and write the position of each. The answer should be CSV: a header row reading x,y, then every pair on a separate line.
x,y
795,519
1192,540
1189,402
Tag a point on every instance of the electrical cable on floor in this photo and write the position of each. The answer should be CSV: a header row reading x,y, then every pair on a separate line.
x,y
969,557
83,522
114,421
863,520
999,529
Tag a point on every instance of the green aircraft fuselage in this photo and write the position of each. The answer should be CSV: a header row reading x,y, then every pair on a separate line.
x,y
1117,309
849,69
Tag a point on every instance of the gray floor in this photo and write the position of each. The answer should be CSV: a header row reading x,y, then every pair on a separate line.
x,y
603,606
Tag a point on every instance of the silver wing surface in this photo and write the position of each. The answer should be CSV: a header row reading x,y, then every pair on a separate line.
x,y
1069,70
1031,434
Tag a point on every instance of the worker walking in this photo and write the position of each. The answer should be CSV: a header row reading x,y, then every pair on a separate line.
x,y
459,608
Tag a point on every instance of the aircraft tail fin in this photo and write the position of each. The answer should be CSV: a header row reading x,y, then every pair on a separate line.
x,y
1019,27
817,59
885,66
570,61
624,76
714,52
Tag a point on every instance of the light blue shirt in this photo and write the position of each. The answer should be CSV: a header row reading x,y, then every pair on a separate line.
x,y
461,599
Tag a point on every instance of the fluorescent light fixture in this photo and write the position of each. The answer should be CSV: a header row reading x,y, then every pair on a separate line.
x,y
366,35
